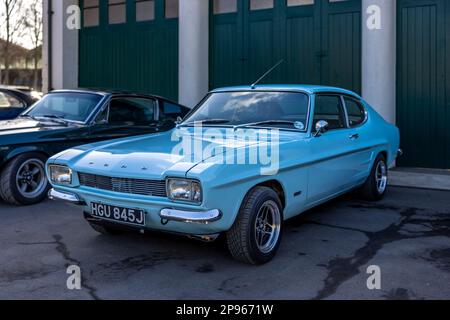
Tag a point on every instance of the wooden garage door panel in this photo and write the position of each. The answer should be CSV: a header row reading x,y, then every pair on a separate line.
x,y
319,43
132,56
422,112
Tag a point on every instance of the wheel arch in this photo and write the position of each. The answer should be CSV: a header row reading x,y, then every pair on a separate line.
x,y
22,150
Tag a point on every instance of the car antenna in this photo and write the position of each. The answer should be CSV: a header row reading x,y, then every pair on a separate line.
x,y
253,86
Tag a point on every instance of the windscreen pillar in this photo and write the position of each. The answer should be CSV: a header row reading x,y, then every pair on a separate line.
x,y
379,56
193,51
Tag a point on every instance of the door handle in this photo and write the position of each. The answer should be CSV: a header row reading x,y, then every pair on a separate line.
x,y
353,136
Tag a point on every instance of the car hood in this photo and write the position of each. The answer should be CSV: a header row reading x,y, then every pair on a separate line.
x,y
23,127
157,156
26,125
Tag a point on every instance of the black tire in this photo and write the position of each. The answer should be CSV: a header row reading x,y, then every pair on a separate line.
x,y
370,190
104,230
241,238
9,189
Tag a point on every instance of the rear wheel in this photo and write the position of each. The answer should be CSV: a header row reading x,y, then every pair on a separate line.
x,y
23,180
376,185
256,234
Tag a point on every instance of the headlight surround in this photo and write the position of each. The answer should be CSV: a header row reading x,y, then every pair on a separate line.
x,y
60,174
185,190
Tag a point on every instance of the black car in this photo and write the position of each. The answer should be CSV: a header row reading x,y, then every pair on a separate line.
x,y
13,102
64,119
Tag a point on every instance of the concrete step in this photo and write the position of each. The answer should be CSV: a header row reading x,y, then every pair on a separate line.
x,y
420,178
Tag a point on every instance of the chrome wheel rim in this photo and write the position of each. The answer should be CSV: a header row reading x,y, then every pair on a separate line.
x,y
381,177
267,226
30,178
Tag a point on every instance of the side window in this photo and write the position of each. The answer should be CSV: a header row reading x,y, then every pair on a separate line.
x,y
9,101
356,113
171,111
131,111
329,108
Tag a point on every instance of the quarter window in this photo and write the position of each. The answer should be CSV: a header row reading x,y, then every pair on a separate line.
x,y
131,111
355,112
329,108
8,101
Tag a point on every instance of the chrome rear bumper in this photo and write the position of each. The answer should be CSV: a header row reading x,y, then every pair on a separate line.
x,y
64,196
204,217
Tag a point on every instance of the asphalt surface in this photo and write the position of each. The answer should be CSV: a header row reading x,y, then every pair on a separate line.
x,y
325,254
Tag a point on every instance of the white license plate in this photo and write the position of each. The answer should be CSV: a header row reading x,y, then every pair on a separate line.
x,y
118,214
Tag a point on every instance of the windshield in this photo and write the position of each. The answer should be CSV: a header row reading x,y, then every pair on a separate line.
x,y
279,109
71,106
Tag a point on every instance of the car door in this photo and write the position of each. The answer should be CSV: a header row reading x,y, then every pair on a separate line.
x,y
10,105
359,139
332,161
125,116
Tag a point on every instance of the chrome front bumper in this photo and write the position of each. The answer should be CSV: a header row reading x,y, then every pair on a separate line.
x,y
204,217
64,196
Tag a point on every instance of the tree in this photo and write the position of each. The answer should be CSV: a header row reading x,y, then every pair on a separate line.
x,y
34,26
12,27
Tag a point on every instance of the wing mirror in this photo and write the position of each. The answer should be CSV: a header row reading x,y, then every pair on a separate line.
x,y
321,128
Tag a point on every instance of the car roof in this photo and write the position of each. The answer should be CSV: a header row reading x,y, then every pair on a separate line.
x,y
115,93
311,89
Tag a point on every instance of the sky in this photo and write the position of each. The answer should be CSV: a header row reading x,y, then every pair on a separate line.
x,y
25,40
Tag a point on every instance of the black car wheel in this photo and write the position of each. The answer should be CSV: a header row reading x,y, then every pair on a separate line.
x,y
376,185
256,234
23,180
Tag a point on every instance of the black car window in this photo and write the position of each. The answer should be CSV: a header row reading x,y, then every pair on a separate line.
x,y
329,108
131,111
356,113
171,111
9,101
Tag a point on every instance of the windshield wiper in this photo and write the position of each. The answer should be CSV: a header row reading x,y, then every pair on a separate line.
x,y
27,116
205,121
266,122
55,118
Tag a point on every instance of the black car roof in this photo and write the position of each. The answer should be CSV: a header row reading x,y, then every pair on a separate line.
x,y
117,93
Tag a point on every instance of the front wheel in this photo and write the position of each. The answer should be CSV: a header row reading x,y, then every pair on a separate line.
x,y
375,187
256,234
23,180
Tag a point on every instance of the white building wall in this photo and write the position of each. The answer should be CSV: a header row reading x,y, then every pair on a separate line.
x,y
63,58
379,56
193,51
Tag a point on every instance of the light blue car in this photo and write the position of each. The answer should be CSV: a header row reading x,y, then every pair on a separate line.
x,y
242,162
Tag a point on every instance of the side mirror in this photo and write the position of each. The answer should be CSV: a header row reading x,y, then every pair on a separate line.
x,y
321,128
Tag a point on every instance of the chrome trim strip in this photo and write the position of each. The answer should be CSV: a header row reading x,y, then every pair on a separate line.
x,y
204,217
64,196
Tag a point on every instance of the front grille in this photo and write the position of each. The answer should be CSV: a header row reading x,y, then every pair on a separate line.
x,y
156,188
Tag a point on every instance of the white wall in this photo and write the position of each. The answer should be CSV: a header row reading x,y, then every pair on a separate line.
x,y
193,51
379,59
64,55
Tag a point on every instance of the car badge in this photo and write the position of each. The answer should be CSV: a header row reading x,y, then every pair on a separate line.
x,y
124,166
144,168
106,165
299,125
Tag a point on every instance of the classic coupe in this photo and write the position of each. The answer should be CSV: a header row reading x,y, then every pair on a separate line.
x,y
13,102
241,163
65,119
